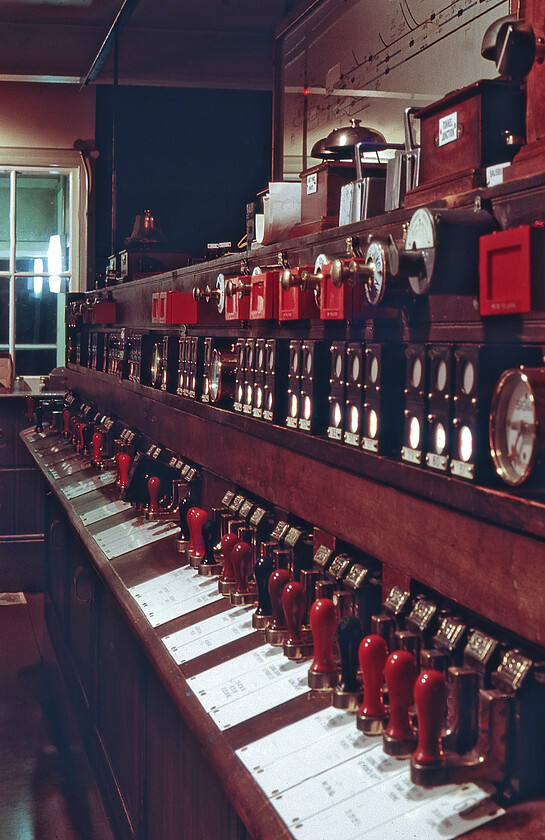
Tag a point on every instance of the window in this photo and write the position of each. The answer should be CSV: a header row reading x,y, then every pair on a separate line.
x,y
41,250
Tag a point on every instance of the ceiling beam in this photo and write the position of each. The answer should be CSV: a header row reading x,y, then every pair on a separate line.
x,y
116,28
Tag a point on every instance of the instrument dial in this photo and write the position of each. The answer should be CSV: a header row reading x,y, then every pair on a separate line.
x,y
514,423
420,246
220,286
375,286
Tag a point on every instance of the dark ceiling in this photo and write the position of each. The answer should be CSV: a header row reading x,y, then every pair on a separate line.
x,y
226,43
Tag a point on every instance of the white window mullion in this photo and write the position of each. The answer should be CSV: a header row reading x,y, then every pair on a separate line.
x,y
12,251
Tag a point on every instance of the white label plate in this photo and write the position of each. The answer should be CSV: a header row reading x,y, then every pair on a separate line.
x,y
210,634
448,129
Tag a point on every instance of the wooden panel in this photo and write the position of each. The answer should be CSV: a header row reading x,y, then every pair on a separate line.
x,y
119,705
467,559
80,618
183,795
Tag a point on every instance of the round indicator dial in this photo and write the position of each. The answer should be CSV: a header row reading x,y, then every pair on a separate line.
x,y
375,286
514,423
420,247
468,377
220,286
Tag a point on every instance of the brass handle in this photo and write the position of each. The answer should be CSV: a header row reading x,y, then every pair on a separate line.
x,y
57,529
83,589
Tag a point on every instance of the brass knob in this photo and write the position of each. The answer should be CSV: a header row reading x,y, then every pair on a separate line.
x,y
339,272
289,280
360,272
198,294
309,280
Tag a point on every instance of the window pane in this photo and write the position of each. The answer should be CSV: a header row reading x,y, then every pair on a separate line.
x,y
4,311
35,362
4,221
42,222
35,312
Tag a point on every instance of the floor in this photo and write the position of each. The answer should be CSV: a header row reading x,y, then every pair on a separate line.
x,y
46,788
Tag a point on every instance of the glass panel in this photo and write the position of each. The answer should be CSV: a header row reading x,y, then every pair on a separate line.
x,y
4,311
35,362
4,221
42,222
35,311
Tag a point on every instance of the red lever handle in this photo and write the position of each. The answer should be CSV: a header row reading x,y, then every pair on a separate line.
x,y
323,623
277,581
123,466
430,699
196,517
74,427
241,558
97,446
293,603
80,441
154,486
400,672
372,655
66,417
228,542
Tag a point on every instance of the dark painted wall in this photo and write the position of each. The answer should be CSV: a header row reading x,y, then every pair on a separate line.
x,y
193,157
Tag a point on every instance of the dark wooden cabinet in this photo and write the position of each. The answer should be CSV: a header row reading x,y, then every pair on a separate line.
x,y
120,707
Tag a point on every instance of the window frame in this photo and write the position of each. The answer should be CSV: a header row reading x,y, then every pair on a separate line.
x,y
67,162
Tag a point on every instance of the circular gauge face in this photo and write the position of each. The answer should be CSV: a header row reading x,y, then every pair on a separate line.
x,y
468,377
465,444
338,365
421,238
416,372
372,423
308,363
376,285
414,433
307,408
220,286
439,438
513,427
293,405
354,419
441,375
355,368
373,370
270,399
259,396
215,377
156,364
337,415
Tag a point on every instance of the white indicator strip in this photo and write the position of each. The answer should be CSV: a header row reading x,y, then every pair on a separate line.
x,y
210,634
316,757
175,598
273,694
371,811
72,491
290,739
104,511
249,685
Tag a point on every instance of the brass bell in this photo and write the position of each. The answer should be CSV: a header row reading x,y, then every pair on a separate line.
x,y
146,230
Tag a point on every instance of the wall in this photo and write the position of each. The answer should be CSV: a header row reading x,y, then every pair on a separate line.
x,y
46,116
193,157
